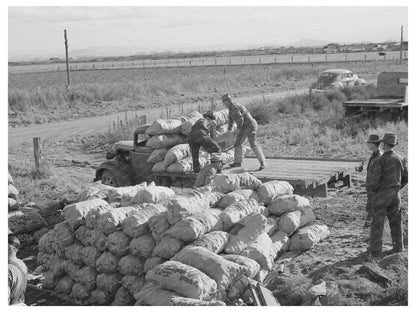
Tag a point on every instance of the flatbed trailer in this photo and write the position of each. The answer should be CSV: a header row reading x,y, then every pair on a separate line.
x,y
308,176
391,98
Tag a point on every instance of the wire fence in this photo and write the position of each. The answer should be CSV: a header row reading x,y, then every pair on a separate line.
x,y
216,61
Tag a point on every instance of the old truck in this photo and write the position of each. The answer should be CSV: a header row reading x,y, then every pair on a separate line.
x,y
391,98
127,164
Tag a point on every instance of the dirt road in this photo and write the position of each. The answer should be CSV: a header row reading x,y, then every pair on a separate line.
x,y
62,130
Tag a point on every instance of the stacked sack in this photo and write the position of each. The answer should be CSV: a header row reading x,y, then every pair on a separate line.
x,y
171,151
25,223
173,246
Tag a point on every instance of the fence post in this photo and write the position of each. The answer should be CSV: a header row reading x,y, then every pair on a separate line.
x,y
326,58
292,59
275,60
37,152
309,59
143,119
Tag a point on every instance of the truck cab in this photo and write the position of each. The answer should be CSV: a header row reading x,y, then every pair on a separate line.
x,y
127,164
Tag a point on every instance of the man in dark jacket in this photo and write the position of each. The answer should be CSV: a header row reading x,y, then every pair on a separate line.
x,y
202,134
390,175
373,144
17,273
246,128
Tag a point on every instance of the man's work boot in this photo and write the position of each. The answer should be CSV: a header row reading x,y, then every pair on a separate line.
x,y
262,166
235,164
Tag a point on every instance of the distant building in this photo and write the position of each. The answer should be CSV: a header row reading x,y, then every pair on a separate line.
x,y
331,48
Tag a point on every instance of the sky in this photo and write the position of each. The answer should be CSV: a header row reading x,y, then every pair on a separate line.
x,y
36,32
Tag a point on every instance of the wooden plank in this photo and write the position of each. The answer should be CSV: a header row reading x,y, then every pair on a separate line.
x,y
310,159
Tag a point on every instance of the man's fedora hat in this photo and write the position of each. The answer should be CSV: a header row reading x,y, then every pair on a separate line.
x,y
389,138
373,138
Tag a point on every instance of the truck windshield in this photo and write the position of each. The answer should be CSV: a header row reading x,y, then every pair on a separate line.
x,y
327,78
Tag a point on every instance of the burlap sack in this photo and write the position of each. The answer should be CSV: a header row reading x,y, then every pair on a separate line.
x,y
107,263
165,141
164,126
291,221
154,295
272,189
287,203
123,298
177,153
183,279
167,247
157,155
75,214
138,223
131,265
193,227
90,255
251,267
142,246
308,236
251,227
25,221
65,285
109,282
96,190
233,197
222,271
118,243
117,193
214,241
133,283
186,205
112,219
87,277
237,211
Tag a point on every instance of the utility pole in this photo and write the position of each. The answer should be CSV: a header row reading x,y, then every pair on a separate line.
x,y
401,45
67,61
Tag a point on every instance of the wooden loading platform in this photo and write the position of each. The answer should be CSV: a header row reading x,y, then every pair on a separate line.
x,y
308,176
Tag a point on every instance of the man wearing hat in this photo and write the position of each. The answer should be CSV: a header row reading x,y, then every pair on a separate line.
x,y
373,144
202,134
246,128
206,176
390,175
17,273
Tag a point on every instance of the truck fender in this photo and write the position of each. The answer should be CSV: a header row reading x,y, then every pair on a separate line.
x,y
121,172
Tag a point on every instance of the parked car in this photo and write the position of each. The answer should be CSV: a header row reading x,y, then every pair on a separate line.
x,y
333,79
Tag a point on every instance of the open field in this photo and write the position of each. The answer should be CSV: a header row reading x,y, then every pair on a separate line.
x,y
43,97
212,61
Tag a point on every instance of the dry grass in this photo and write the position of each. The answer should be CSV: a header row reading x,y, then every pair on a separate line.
x,y
42,97
317,127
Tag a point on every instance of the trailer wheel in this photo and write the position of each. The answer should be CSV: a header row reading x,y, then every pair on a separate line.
x,y
108,178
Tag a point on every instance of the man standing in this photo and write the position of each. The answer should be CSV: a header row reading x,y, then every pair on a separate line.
x,y
17,273
373,144
246,128
202,134
390,175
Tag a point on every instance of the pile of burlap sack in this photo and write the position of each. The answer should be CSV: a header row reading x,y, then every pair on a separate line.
x,y
153,245
168,138
25,223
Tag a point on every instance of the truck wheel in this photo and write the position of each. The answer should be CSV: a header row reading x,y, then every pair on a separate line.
x,y
108,178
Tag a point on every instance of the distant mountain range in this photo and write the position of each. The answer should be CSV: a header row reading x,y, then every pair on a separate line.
x,y
105,51
307,43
